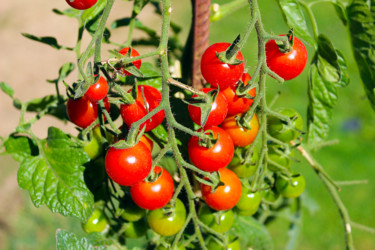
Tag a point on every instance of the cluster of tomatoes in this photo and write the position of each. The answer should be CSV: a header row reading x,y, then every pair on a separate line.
x,y
224,151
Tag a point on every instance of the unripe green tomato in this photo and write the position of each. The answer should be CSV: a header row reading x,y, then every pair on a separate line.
x,y
244,170
270,195
291,189
167,224
248,203
96,223
281,159
214,245
94,148
132,212
136,229
279,130
220,221
161,247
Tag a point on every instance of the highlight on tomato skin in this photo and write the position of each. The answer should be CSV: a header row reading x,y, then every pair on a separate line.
x,y
81,4
214,158
216,73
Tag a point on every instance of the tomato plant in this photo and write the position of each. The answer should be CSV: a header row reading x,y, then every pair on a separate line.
x,y
155,194
81,4
287,64
128,166
217,73
241,168
241,136
233,245
217,113
214,158
148,99
281,157
131,212
135,229
81,112
226,196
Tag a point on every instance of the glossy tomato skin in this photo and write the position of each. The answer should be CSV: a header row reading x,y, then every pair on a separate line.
x,y
225,197
216,73
247,169
135,229
97,222
131,113
281,131
95,147
220,221
217,114
248,203
153,195
286,65
128,166
241,136
293,189
97,91
238,105
167,224
81,4
214,158
136,63
81,112
132,212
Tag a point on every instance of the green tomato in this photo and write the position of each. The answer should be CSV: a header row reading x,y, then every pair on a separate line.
x,y
167,224
248,203
96,223
95,147
281,159
132,212
215,245
220,221
135,229
244,170
162,247
291,189
270,195
278,129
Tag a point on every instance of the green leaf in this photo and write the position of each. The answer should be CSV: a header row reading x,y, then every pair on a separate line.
x,y
51,41
138,25
55,176
66,240
155,82
20,147
138,6
341,11
7,89
362,32
327,62
251,233
39,104
91,15
70,12
148,70
294,17
344,81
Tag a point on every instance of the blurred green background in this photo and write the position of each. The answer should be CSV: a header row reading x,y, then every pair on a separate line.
x,y
24,227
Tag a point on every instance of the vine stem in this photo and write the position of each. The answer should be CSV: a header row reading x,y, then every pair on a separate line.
x,y
332,189
314,24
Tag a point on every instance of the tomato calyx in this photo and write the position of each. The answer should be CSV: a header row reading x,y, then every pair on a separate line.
x,y
129,67
244,121
229,55
130,141
208,141
204,103
242,90
286,46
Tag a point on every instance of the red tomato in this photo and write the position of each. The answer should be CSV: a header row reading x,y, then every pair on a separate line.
x,y
128,166
225,197
98,90
217,114
241,136
148,142
153,195
238,105
214,158
287,65
136,63
218,74
133,112
81,4
81,112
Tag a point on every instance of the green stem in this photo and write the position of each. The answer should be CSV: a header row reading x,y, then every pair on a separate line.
x,y
310,13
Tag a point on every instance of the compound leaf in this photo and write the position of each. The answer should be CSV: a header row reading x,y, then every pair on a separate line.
x,y
67,240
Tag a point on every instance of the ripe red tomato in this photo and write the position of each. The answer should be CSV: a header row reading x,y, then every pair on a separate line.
x,y
218,74
136,63
214,158
241,136
81,4
225,197
153,195
287,65
128,166
98,90
217,114
238,105
133,112
81,112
